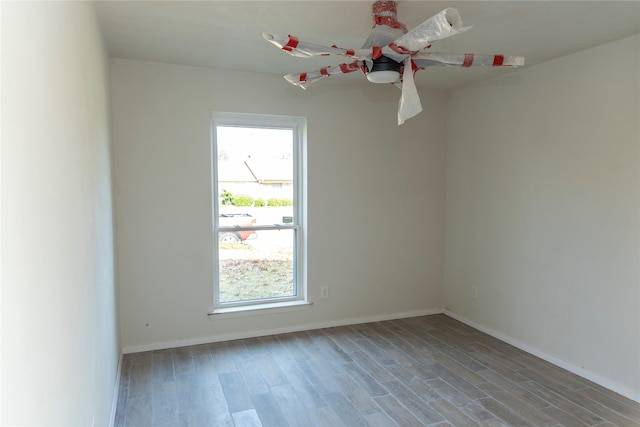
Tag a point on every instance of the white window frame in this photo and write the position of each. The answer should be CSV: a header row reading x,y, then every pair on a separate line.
x,y
263,121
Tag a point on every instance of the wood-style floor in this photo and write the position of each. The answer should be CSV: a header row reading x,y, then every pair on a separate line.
x,y
429,370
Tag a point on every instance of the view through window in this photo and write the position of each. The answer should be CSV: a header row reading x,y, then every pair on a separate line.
x,y
257,209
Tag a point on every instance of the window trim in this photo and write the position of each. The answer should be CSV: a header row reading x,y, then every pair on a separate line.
x,y
264,121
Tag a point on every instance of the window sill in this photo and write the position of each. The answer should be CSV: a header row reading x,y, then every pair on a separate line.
x,y
256,310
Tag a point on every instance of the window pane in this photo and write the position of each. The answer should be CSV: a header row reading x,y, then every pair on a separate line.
x,y
255,168
257,269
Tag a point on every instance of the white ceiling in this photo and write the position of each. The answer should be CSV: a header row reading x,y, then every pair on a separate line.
x,y
227,34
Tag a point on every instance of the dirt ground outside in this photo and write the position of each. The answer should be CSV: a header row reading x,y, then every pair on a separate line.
x,y
248,273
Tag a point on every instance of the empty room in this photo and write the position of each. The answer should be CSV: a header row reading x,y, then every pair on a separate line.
x,y
320,213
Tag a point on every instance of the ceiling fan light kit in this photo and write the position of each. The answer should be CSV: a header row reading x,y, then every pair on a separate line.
x,y
384,70
391,54
383,76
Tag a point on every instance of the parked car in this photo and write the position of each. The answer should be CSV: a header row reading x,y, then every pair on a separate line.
x,y
236,220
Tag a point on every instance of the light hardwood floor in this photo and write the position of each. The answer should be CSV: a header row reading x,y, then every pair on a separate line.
x,y
429,370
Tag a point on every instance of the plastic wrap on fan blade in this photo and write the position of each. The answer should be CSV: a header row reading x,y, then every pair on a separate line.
x,y
381,35
295,47
435,59
445,24
409,105
305,79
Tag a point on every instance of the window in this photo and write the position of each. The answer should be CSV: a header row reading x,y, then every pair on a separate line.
x,y
258,210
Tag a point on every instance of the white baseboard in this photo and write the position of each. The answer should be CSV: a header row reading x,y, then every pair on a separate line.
x,y
116,391
604,382
265,332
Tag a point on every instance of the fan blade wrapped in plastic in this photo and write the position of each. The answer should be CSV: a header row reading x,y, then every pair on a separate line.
x,y
445,24
409,105
435,59
305,79
295,47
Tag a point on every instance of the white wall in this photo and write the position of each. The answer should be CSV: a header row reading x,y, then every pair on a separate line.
x,y
543,210
59,329
375,191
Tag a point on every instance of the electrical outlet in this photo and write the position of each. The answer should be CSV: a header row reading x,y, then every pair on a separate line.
x,y
474,292
324,292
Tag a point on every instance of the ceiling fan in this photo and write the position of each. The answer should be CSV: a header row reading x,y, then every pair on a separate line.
x,y
391,54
